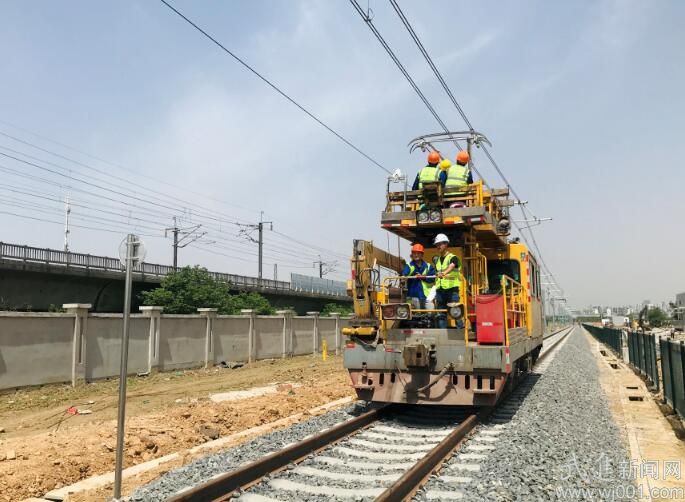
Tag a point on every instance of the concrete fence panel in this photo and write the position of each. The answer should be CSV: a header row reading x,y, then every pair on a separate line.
x,y
327,332
40,348
303,328
103,348
35,348
268,337
182,341
230,338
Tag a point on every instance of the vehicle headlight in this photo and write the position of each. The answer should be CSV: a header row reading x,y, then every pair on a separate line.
x,y
456,311
423,217
403,312
388,311
400,311
435,216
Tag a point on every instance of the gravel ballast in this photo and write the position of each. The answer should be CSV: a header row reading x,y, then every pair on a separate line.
x,y
204,468
554,439
561,444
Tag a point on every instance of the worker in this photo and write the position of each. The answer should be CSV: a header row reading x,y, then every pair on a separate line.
x,y
448,271
430,173
418,289
459,174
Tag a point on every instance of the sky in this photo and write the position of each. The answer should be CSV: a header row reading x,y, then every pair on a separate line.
x,y
139,118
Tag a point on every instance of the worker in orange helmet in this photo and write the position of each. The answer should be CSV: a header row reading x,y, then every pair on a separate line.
x,y
418,289
431,172
459,174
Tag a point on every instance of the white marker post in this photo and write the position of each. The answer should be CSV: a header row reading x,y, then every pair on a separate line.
x,y
131,253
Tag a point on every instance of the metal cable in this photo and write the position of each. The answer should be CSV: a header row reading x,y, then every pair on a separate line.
x,y
277,89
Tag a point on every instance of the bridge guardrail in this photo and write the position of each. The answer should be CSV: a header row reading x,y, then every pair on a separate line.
x,y
16,252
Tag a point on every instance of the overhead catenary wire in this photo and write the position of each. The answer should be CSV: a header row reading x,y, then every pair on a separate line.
x,y
187,206
277,89
166,212
460,110
403,70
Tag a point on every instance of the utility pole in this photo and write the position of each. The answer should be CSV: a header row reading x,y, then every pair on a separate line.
x,y
175,230
188,236
275,271
320,267
67,212
330,267
246,231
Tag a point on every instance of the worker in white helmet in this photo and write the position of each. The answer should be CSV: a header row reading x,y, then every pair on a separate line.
x,y
449,278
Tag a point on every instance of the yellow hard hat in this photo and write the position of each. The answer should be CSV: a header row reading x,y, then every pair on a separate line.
x,y
445,164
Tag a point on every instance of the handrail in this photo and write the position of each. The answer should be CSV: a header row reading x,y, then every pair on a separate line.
x,y
29,254
515,307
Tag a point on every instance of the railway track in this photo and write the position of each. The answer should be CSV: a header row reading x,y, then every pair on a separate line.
x,y
386,454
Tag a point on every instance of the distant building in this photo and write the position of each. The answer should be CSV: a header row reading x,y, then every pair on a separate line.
x,y
679,311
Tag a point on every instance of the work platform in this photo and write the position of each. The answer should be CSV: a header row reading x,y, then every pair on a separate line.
x,y
417,214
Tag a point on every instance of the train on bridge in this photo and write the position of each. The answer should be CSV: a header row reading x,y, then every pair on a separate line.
x,y
463,351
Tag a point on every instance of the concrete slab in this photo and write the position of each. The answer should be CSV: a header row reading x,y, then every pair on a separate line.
x,y
444,495
236,395
463,466
353,493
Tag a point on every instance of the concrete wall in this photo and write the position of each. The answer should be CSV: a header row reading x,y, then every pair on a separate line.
x,y
103,345
268,337
231,338
35,348
182,341
40,348
303,335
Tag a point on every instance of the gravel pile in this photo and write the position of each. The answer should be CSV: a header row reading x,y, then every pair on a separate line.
x,y
206,467
561,444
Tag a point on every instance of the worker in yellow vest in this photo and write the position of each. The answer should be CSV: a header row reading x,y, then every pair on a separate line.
x,y
459,174
430,173
448,271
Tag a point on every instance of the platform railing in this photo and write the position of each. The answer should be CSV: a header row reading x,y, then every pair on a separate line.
x,y
515,306
53,257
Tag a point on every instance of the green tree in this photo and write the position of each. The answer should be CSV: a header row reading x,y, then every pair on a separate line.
x,y
656,317
334,307
190,288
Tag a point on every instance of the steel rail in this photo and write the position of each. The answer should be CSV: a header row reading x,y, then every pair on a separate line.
x,y
222,488
414,478
549,348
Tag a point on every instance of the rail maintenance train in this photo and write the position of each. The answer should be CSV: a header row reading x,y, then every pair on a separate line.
x,y
396,353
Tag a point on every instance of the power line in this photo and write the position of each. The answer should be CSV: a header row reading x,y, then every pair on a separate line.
x,y
129,183
195,215
276,88
403,70
60,223
104,161
456,104
413,34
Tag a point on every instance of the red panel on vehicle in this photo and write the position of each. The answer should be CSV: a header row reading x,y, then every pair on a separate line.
x,y
490,319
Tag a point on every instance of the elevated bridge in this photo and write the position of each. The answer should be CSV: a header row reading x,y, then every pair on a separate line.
x,y
37,278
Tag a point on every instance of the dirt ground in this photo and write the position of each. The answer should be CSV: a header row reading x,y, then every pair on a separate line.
x,y
42,447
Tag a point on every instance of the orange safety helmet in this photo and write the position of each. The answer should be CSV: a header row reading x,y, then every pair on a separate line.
x,y
433,157
417,248
463,157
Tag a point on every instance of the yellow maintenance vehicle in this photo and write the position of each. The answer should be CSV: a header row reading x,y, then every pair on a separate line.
x,y
460,353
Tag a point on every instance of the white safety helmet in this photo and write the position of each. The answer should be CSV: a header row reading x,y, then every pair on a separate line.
x,y
440,238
